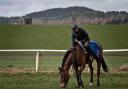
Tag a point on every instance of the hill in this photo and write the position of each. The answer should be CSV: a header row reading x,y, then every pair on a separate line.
x,y
81,15
64,13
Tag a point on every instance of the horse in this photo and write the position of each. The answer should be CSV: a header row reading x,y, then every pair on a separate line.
x,y
79,58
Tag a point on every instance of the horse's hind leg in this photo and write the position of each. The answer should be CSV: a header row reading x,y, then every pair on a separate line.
x,y
91,71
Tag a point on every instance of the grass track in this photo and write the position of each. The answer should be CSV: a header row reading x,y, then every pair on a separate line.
x,y
51,81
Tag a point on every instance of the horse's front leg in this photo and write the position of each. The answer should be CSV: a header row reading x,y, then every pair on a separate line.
x,y
91,71
79,74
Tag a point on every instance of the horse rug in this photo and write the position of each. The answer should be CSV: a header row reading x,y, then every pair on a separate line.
x,y
94,48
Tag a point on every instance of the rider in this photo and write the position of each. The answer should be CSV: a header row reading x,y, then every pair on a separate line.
x,y
80,35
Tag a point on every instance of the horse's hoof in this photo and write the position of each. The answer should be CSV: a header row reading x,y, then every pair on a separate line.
x,y
90,84
77,87
98,84
81,87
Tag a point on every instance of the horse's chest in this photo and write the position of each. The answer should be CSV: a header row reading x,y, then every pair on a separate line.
x,y
80,59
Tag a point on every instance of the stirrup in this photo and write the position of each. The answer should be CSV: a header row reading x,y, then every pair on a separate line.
x,y
91,57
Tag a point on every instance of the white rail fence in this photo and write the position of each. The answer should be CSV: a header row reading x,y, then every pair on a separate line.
x,y
46,50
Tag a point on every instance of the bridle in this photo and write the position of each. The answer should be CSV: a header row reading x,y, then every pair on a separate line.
x,y
62,75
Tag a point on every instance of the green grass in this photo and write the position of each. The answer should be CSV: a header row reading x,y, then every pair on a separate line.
x,y
33,36
59,36
50,63
110,36
116,61
19,63
51,81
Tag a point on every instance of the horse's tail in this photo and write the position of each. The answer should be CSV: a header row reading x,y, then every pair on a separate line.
x,y
104,66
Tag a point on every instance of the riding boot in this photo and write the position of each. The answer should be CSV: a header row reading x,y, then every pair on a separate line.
x,y
87,49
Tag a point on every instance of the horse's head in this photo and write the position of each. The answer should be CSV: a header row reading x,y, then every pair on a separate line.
x,y
64,77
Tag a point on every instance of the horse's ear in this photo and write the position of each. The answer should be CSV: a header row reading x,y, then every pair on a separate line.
x,y
59,68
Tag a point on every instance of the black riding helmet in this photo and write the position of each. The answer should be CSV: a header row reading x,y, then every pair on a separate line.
x,y
74,27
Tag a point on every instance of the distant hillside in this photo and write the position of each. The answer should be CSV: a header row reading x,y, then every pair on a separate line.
x,y
65,13
81,15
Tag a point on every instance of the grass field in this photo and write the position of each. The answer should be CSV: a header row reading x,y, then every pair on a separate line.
x,y
59,36
51,81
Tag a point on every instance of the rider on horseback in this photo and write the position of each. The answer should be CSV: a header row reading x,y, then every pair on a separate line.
x,y
80,35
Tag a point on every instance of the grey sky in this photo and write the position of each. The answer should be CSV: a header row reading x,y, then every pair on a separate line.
x,y
22,7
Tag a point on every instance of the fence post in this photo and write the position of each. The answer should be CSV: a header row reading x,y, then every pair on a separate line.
x,y
37,61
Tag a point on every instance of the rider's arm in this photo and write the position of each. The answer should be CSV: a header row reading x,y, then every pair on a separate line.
x,y
87,39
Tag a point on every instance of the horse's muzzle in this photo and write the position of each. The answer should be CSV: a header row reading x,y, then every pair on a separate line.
x,y
62,85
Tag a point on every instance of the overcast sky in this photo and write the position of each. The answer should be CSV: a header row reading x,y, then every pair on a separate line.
x,y
22,7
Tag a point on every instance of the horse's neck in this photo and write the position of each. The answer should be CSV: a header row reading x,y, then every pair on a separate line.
x,y
79,50
67,62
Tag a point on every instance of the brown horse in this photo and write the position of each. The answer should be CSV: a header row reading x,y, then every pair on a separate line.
x,y
79,58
